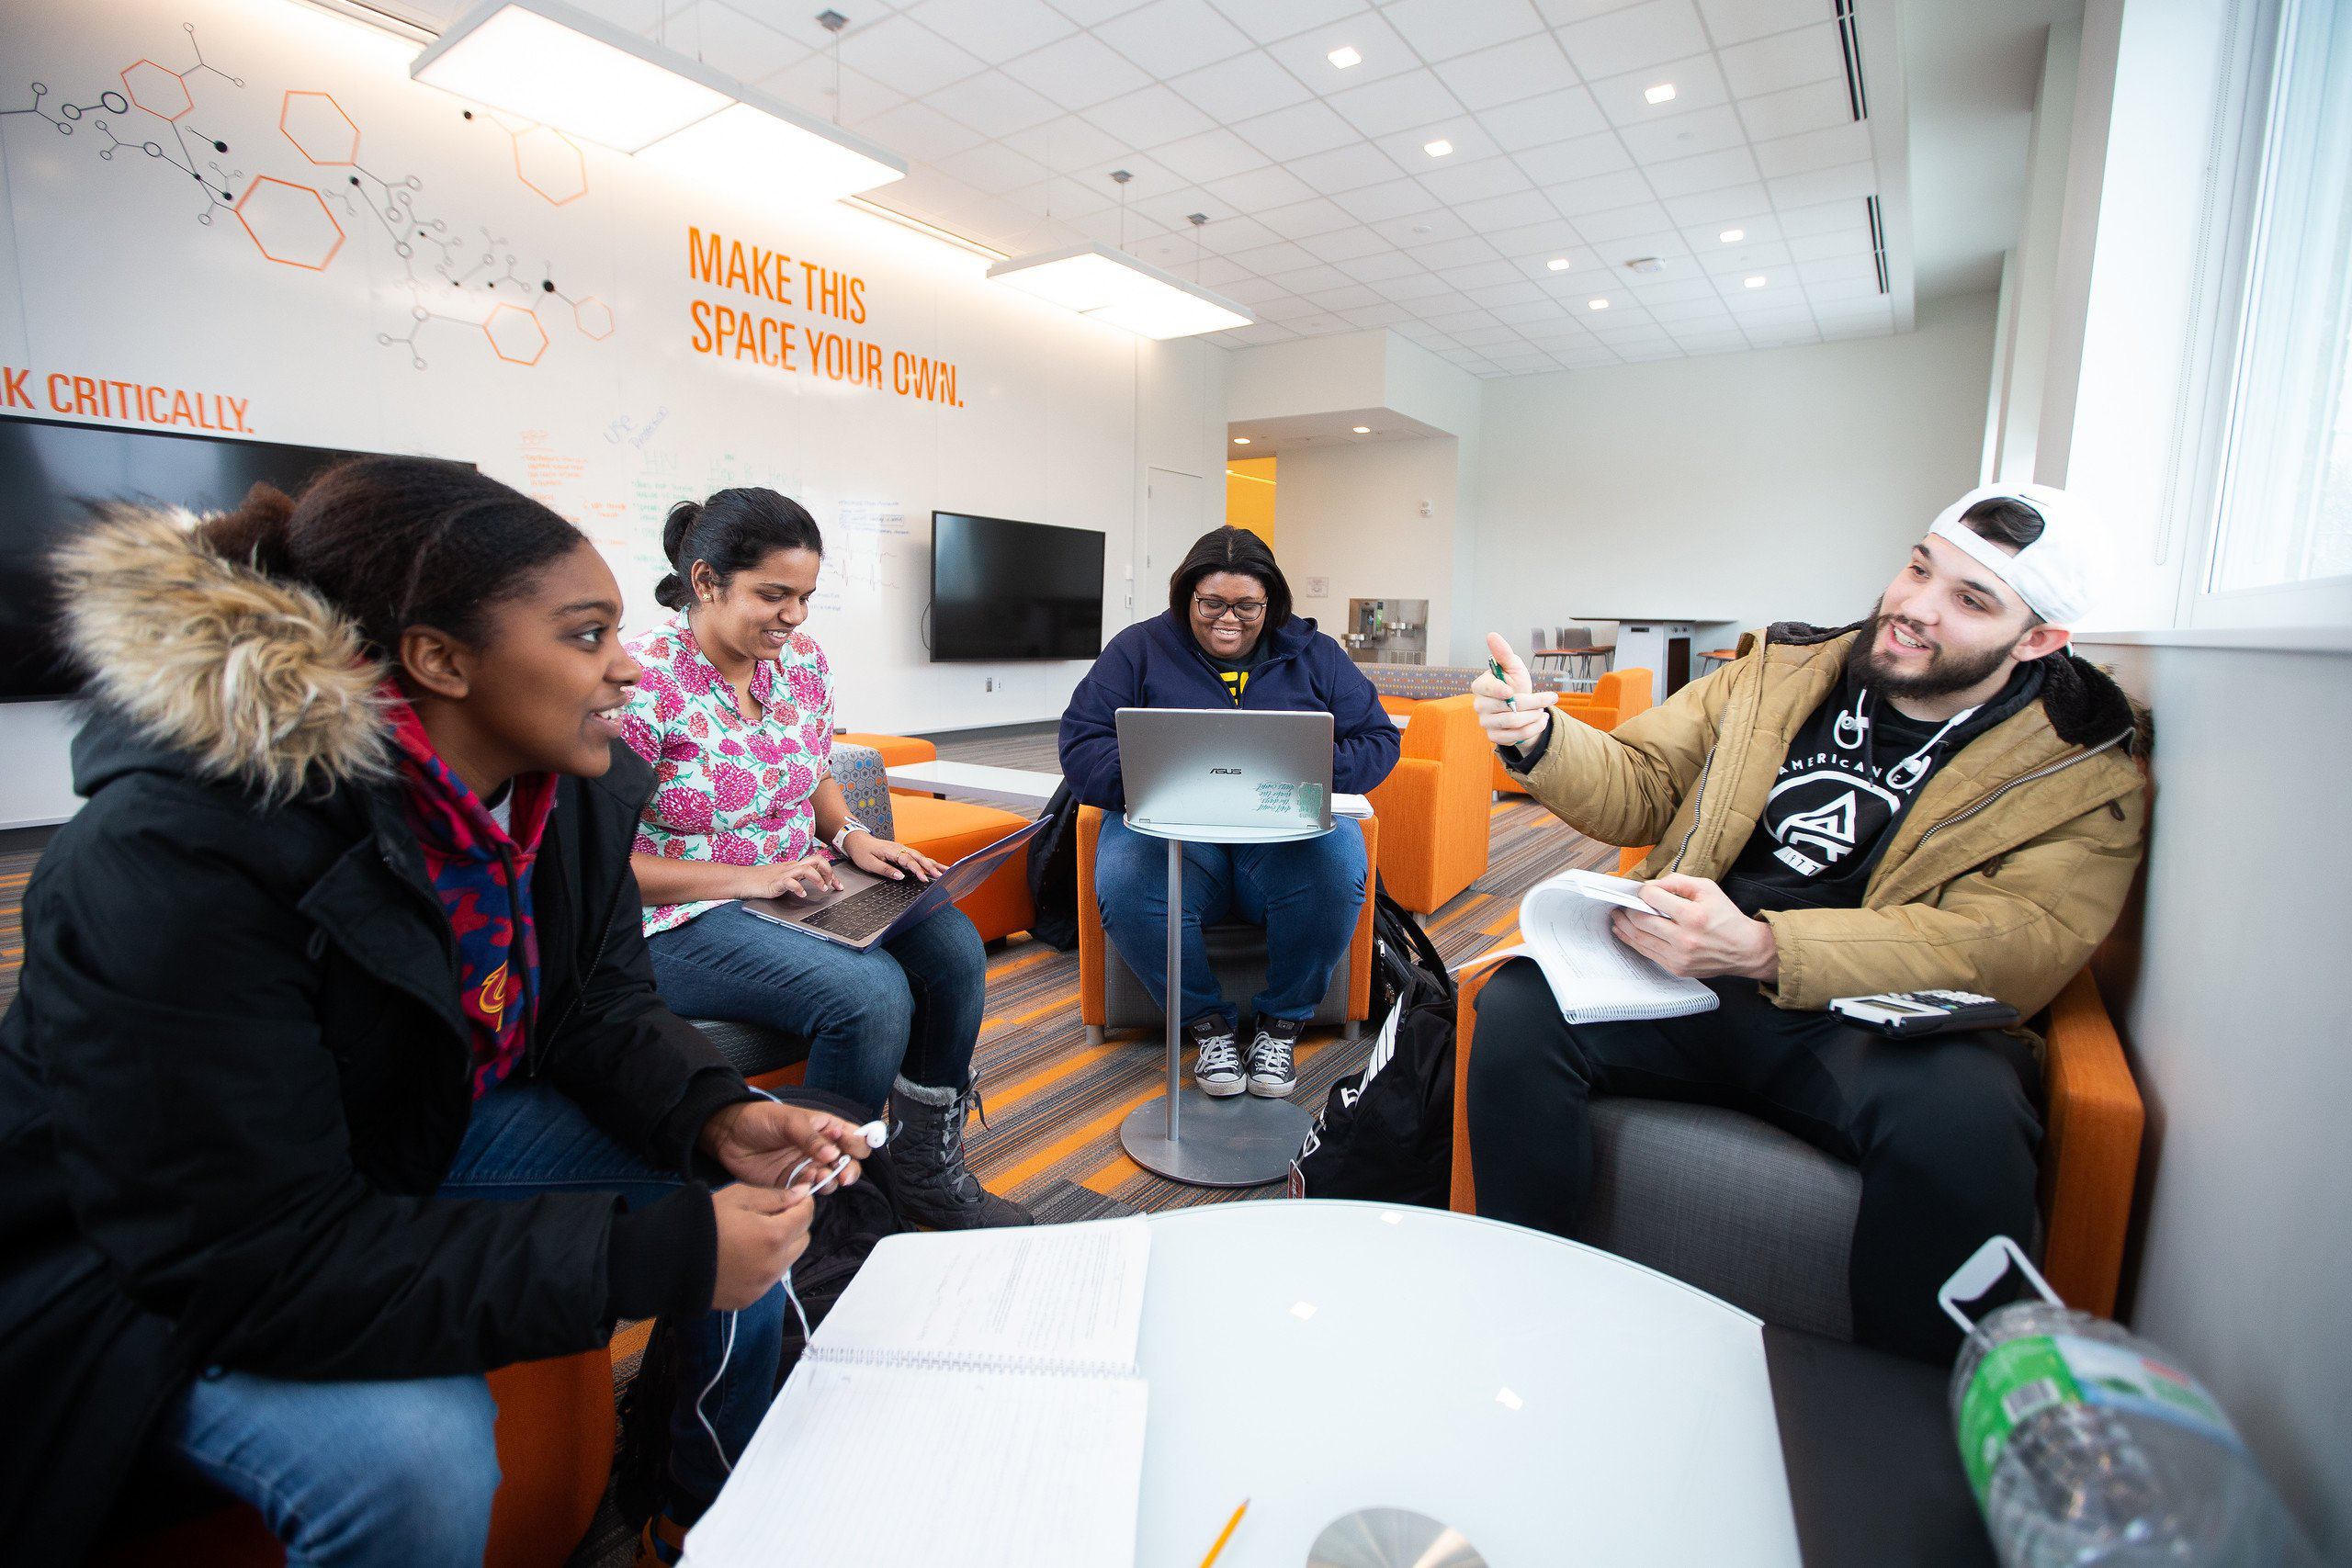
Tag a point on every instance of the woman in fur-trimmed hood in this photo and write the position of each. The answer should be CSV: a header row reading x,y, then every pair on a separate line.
x,y
335,1076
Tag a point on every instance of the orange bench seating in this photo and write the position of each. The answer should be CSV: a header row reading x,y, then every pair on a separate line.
x,y
1614,698
2093,1119
1434,806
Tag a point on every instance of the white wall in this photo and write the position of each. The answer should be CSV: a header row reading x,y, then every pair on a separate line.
x,y
1351,514
120,267
1774,485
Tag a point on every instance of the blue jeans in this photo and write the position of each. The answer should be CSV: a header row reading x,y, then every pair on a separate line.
x,y
911,1006
1306,894
401,1471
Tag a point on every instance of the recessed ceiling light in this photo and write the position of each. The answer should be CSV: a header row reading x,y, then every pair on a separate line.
x,y
1363,430
1440,148
1732,236
1558,264
1344,56
1662,93
1241,441
1755,282
1596,304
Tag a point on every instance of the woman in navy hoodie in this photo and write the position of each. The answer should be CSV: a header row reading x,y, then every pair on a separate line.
x,y
1229,636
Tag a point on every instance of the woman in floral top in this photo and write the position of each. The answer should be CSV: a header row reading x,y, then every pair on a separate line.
x,y
735,712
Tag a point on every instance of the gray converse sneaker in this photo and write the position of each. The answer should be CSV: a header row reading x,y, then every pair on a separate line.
x,y
1272,1076
1216,1061
927,1155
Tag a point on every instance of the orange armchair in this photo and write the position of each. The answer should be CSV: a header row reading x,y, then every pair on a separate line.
x,y
1094,954
1614,698
1435,803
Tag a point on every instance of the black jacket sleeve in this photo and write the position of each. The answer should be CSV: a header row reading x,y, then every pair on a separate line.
x,y
199,1119
1089,733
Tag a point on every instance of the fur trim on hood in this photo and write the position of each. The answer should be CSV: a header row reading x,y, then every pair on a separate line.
x,y
256,680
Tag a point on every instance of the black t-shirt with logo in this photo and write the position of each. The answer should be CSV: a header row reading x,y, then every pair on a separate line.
x,y
1851,773
1235,672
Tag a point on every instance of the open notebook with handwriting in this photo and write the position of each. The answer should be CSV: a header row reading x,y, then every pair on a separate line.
x,y
972,1398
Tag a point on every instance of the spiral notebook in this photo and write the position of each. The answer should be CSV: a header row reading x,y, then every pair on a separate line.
x,y
1563,926
971,1399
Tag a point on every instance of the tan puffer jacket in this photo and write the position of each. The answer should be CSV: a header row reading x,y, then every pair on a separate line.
x,y
2008,869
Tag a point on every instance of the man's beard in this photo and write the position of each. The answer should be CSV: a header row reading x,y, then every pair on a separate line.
x,y
1946,673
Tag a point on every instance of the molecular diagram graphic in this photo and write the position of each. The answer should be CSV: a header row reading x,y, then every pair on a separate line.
x,y
469,279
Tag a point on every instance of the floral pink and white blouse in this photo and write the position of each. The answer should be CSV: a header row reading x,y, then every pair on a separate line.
x,y
727,788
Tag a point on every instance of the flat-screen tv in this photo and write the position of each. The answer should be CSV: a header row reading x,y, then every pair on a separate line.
x,y
49,469
1006,589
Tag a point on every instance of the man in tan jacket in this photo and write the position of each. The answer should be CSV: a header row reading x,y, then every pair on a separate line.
x,y
1940,797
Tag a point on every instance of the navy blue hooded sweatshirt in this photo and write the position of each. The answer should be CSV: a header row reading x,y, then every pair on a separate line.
x,y
1157,664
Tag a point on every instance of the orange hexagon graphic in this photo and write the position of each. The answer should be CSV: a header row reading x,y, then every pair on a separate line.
x,y
594,318
289,223
515,334
156,90
550,162
319,128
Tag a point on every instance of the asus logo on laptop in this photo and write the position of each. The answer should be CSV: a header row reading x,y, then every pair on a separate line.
x,y
1235,772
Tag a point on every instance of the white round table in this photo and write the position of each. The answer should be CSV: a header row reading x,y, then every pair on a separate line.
x,y
1557,1405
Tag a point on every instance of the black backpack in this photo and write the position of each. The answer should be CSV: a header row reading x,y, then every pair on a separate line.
x,y
1053,874
1386,1133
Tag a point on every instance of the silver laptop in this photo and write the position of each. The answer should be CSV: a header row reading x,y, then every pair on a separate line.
x,y
869,909
1241,774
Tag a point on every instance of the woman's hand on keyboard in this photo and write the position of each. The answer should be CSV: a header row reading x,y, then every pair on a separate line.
x,y
888,857
794,878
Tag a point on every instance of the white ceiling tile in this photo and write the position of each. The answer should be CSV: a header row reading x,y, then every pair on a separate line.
x,y
1482,275
1169,37
1656,295
1077,72
1316,279
1382,315
1067,143
1553,237
1215,272
1441,29
1288,308
1380,267
1697,85
1305,219
1391,199
1745,258
1455,183
1634,38
1320,322
995,31
742,45
1347,168
1460,252
1247,84
1736,21
1485,338
1174,208
1518,209
1211,155
1150,177
1347,297
1685,135
1829,217
1784,60
1602,193
1086,13
1307,55
1663,244
1453,317
1551,116
1525,306
1414,286
908,57
808,85
1259,189
1731,207
1345,245
1148,118
1823,149
1266,20
921,132
1708,170
1581,158
1584,265
1060,198
993,103
1880,308
1408,99
1823,185
1229,236
1758,229
1838,269
1131,232
1851,242
1604,229
1410,147
1282,256
1256,292
1816,105
1295,132
1421,228
1508,72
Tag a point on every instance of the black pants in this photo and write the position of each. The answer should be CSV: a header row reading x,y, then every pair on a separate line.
x,y
1943,1130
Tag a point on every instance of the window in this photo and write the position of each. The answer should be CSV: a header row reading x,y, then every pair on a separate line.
x,y
2284,513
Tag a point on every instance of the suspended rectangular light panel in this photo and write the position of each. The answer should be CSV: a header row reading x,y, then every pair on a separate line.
x,y
760,145
558,65
1112,285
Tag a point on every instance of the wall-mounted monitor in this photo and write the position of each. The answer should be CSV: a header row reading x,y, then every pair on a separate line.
x,y
1002,590
49,469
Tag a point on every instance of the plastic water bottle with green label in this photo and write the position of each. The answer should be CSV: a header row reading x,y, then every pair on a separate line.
x,y
2086,1444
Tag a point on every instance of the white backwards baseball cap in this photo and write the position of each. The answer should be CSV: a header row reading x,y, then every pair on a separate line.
x,y
2056,575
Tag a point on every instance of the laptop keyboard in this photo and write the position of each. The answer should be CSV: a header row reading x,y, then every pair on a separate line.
x,y
866,912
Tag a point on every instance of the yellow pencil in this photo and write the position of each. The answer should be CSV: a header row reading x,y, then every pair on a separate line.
x,y
1225,1535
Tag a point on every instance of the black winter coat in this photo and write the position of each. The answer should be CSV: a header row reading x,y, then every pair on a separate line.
x,y
236,1071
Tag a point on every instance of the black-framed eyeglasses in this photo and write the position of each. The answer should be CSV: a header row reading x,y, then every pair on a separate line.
x,y
1214,609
